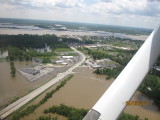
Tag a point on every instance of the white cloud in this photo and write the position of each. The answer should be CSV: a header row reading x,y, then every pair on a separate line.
x,y
141,7
137,13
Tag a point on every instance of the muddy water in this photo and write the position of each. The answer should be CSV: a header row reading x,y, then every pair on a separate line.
x,y
148,111
11,87
59,33
83,90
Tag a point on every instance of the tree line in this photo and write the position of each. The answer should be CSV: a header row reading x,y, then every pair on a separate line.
x,y
111,73
72,113
151,87
126,116
28,41
30,109
21,47
73,40
15,53
47,118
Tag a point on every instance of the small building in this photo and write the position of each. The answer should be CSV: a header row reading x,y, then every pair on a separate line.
x,y
106,63
149,88
107,60
67,57
59,61
43,50
50,65
30,71
3,54
37,60
109,66
40,50
103,60
157,68
93,46
64,63
96,66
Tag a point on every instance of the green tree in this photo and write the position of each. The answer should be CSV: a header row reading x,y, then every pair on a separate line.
x,y
13,69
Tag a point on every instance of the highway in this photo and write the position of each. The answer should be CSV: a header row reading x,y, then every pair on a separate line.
x,y
22,101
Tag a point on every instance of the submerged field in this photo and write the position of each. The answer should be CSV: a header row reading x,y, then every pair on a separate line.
x,y
14,87
83,90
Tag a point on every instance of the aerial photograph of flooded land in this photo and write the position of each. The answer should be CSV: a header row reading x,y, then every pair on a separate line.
x,y
79,60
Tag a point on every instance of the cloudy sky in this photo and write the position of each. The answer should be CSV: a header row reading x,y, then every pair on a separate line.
x,y
135,13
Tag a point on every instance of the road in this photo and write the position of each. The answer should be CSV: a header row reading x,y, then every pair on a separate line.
x,y
22,101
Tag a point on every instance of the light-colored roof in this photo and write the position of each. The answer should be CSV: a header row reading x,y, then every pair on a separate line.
x,y
67,56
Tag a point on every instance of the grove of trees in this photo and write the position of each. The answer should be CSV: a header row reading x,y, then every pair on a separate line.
x,y
72,113
126,116
47,118
111,73
13,69
123,57
151,84
27,41
151,87
21,47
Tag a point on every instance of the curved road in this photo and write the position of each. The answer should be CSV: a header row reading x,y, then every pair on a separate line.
x,y
22,101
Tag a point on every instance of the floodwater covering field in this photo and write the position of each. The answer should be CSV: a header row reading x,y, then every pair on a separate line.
x,y
83,91
59,33
11,87
149,111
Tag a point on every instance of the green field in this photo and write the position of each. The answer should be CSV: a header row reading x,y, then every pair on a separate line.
x,y
63,50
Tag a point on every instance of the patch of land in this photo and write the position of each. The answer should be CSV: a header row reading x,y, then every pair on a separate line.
x,y
35,73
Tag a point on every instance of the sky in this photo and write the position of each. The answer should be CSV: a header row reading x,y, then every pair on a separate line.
x,y
133,13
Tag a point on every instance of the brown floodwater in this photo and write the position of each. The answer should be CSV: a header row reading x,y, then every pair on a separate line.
x,y
83,91
59,33
147,111
11,87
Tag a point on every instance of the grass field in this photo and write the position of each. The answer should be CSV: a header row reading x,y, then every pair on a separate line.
x,y
63,49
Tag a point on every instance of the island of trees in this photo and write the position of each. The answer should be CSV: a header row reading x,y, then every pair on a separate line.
x,y
13,69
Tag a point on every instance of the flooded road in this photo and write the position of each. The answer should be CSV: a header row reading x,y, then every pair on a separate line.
x,y
11,87
80,92
83,91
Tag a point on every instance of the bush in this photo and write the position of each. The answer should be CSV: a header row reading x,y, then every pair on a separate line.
x,y
47,118
70,112
126,116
